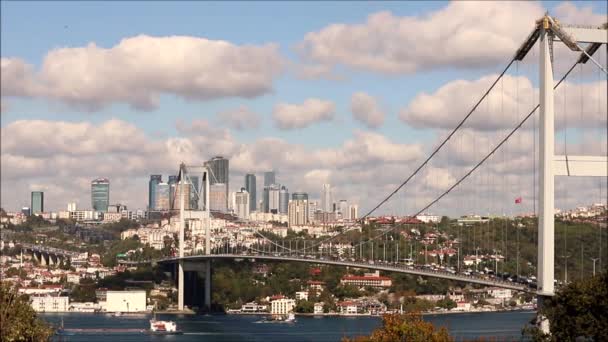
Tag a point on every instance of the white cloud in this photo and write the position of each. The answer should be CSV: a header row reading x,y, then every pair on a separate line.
x,y
139,69
568,13
463,34
365,109
292,116
511,99
239,118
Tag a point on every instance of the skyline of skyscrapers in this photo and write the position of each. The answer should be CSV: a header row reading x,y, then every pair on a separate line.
x,y
37,202
100,194
154,181
250,186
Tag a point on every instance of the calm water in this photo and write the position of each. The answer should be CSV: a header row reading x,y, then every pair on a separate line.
x,y
504,325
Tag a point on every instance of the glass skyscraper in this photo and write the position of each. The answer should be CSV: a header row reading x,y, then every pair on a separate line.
x,y
154,181
299,196
220,172
37,205
250,186
172,184
283,200
269,178
100,194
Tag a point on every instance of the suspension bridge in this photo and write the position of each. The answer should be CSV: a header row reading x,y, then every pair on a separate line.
x,y
492,156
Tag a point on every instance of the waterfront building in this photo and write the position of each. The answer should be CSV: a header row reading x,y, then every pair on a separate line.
x,y
217,197
241,204
37,202
368,279
100,194
326,198
298,213
126,301
50,303
269,178
283,200
154,181
219,168
282,306
250,186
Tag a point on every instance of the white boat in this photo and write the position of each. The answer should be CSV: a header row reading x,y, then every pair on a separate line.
x,y
289,318
163,328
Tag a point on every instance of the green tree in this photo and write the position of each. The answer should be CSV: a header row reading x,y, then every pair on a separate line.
x,y
446,303
576,312
18,321
304,306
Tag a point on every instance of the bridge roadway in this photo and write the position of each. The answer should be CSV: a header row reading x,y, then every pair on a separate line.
x,y
375,266
48,250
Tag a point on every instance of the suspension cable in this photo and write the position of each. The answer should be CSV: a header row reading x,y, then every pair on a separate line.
x,y
460,124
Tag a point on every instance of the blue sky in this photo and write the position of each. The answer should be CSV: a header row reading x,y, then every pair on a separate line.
x,y
31,29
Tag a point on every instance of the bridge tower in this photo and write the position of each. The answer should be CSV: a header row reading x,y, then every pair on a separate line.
x,y
547,31
184,176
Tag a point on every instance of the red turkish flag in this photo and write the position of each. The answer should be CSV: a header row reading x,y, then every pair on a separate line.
x,y
518,200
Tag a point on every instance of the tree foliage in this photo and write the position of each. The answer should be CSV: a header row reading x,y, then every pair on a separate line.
x,y
18,321
578,311
407,327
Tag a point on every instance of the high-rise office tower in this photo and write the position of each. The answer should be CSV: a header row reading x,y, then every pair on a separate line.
x,y
194,192
269,178
100,194
154,180
217,197
326,198
172,181
272,198
312,209
186,190
162,196
353,210
283,200
241,204
298,212
299,196
343,208
219,168
250,186
37,204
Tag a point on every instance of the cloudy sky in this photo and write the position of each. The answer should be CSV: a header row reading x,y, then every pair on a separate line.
x,y
352,94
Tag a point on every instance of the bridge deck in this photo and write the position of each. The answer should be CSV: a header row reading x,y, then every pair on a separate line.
x,y
375,266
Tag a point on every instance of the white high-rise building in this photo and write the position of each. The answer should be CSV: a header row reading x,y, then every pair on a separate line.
x,y
241,204
353,212
326,198
312,208
343,209
298,212
274,199
217,197
72,206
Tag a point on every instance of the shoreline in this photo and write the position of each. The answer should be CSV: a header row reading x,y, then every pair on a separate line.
x,y
428,313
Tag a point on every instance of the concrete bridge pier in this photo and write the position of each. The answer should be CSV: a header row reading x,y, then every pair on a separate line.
x,y
197,284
